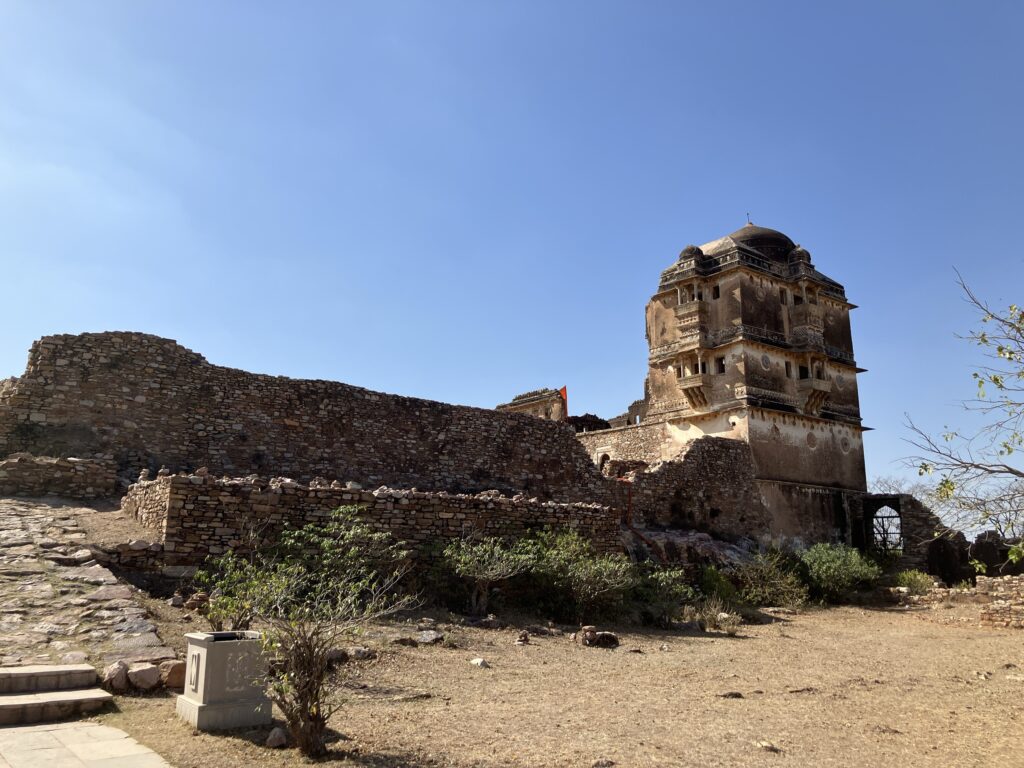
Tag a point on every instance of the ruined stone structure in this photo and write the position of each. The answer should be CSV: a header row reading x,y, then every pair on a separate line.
x,y
139,402
542,403
748,341
147,402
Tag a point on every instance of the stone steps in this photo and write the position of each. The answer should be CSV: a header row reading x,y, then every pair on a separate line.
x,y
18,708
46,677
39,693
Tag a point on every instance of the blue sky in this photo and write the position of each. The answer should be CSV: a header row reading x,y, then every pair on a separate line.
x,y
466,200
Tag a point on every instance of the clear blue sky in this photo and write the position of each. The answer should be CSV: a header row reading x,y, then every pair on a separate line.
x,y
466,200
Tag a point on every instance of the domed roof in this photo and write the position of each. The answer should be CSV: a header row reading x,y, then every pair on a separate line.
x,y
770,242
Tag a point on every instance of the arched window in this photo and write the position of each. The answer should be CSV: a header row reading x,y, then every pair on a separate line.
x,y
887,530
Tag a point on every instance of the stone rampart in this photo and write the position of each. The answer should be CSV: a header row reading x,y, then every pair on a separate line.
x,y
198,515
25,475
148,402
143,402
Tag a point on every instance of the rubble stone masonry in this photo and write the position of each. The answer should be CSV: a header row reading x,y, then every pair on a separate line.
x,y
148,402
143,402
197,515
1006,608
26,475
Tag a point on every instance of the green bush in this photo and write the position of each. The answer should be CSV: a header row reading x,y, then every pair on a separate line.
x,y
916,582
771,579
835,569
660,594
593,584
233,583
714,583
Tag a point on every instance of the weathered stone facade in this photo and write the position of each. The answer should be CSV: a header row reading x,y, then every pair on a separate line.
x,y
748,341
35,476
198,515
542,403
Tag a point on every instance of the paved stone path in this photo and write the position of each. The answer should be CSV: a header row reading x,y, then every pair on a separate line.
x,y
73,745
57,605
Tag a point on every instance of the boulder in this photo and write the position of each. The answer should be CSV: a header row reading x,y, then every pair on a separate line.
x,y
430,637
482,663
590,637
115,677
74,657
278,738
144,676
172,673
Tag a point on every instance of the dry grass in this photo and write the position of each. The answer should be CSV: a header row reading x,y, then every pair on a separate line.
x,y
844,687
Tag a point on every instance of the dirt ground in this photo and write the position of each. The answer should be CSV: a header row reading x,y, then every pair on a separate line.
x,y
840,687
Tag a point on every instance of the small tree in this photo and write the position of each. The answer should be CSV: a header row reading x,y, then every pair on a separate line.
x,y
301,629
485,562
980,471
235,590
319,584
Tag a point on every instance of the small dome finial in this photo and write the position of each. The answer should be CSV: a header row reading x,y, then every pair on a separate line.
x,y
749,222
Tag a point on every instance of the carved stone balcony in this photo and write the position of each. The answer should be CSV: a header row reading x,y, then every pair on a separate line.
x,y
815,393
692,313
697,389
692,340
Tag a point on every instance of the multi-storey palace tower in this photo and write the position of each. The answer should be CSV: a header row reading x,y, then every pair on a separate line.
x,y
749,341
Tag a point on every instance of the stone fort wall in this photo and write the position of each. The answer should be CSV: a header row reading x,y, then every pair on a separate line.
x,y
147,402
143,402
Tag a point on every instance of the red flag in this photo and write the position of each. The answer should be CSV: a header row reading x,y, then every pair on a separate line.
x,y
564,392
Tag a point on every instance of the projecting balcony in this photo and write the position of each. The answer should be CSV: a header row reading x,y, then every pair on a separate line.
x,y
692,313
697,389
688,342
815,393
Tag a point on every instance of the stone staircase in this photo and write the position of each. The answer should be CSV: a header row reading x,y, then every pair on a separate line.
x,y
38,693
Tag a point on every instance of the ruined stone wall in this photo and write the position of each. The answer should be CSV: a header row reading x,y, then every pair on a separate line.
x,y
806,514
146,402
640,442
26,475
711,488
200,515
1006,608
